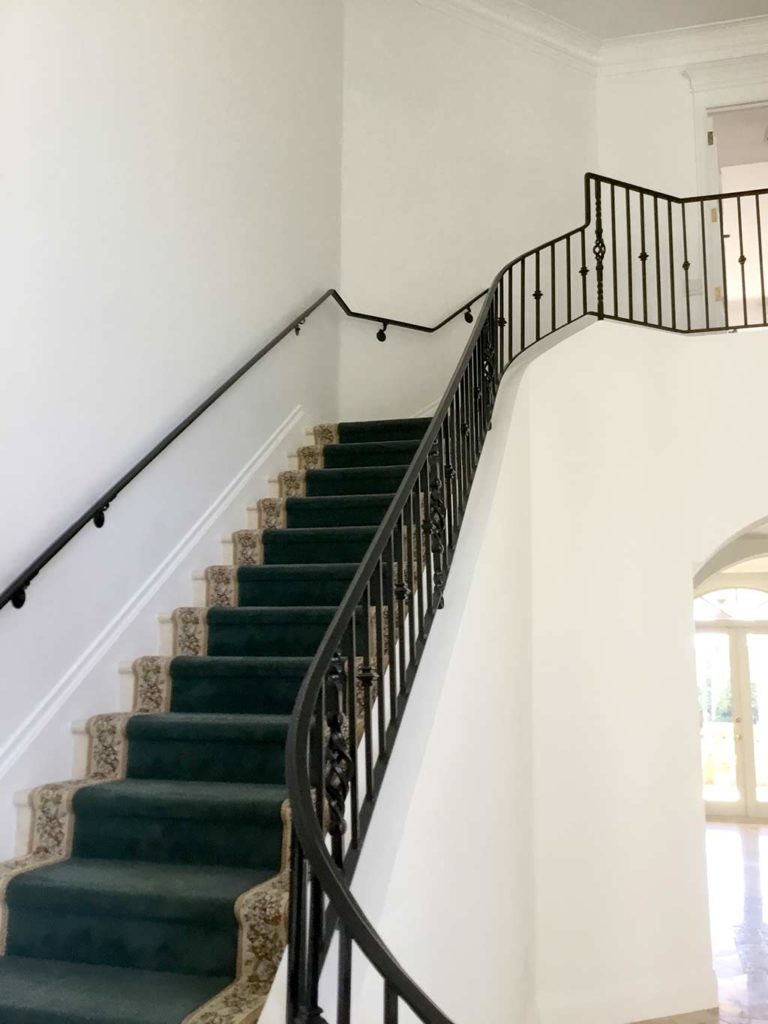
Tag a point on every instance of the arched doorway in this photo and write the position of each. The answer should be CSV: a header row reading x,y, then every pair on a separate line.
x,y
732,675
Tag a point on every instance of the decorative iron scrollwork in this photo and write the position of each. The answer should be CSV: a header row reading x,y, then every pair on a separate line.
x,y
489,376
598,250
339,764
435,523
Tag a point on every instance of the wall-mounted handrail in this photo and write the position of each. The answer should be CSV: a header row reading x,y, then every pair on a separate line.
x,y
651,259
15,592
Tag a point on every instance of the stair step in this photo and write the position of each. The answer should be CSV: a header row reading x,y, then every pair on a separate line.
x,y
130,914
53,992
383,430
236,685
279,585
337,510
370,480
208,747
312,546
372,453
223,823
255,632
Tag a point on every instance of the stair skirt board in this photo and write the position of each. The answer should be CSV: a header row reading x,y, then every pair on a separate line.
x,y
216,711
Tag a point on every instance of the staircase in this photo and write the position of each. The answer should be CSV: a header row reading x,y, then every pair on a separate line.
x,y
156,889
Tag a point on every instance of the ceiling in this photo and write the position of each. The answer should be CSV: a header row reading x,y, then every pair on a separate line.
x,y
608,19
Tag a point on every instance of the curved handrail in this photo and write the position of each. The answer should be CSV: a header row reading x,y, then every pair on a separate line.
x,y
305,820
320,775
15,592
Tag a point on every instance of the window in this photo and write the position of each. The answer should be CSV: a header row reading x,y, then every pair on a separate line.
x,y
738,603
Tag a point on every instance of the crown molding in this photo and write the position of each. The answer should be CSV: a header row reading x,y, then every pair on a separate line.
x,y
744,41
724,41
521,23
723,74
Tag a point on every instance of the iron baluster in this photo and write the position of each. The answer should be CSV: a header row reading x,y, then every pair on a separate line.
x,y
436,522
598,251
339,764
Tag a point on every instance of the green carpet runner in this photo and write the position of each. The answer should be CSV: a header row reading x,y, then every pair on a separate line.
x,y
155,890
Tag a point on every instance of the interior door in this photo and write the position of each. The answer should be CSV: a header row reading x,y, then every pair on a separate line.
x,y
721,720
756,731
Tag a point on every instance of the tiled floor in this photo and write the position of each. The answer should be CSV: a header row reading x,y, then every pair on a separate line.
x,y
737,858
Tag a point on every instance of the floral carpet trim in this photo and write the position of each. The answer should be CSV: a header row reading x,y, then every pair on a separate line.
x,y
221,586
152,685
271,513
190,632
311,457
248,547
292,484
326,433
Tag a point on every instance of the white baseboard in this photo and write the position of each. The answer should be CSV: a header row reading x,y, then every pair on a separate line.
x,y
24,736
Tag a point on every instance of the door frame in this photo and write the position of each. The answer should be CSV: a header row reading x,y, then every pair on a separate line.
x,y
748,809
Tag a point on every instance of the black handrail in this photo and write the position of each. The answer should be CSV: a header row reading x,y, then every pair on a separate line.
x,y
15,592
359,681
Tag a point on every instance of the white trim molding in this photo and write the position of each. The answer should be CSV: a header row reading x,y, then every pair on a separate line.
x,y
740,40
24,736
539,31
727,40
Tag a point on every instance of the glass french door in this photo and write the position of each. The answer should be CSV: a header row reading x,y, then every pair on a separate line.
x,y
732,675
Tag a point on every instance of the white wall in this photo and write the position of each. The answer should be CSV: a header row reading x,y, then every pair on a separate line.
x,y
622,462
446,872
171,197
646,129
644,450
465,144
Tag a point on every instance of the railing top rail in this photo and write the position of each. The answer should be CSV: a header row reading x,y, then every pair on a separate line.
x,y
668,197
15,591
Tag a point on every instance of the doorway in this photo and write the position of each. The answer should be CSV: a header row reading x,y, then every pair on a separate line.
x,y
738,162
732,676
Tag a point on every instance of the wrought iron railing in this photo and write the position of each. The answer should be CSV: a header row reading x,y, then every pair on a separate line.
x,y
640,257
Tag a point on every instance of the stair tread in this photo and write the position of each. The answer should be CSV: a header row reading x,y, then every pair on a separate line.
x,y
309,533
226,664
148,797
141,888
54,992
298,571
328,500
373,446
207,726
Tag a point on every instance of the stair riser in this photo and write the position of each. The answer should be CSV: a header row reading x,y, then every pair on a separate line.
x,y
404,430
208,947
209,840
319,483
305,593
344,457
303,517
202,761
235,696
276,641
281,548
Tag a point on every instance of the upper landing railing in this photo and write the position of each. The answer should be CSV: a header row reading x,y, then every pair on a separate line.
x,y
640,257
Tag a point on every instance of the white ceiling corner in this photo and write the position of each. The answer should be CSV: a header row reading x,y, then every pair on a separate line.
x,y
517,19
745,39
